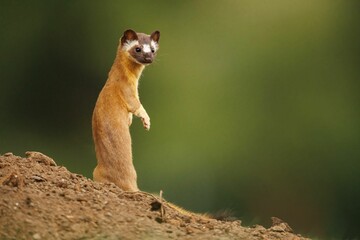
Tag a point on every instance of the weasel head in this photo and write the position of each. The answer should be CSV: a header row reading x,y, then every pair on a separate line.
x,y
139,47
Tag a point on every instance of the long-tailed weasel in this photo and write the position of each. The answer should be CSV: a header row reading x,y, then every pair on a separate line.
x,y
115,106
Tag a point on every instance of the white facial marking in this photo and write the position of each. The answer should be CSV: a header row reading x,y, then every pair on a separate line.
x,y
129,44
154,45
146,48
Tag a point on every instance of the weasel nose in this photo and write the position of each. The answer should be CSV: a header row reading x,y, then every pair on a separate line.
x,y
148,59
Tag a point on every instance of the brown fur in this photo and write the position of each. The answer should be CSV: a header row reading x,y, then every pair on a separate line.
x,y
112,116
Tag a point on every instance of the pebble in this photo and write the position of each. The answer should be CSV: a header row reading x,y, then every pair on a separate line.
x,y
36,236
277,228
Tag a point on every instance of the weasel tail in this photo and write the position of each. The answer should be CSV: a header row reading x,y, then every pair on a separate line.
x,y
115,106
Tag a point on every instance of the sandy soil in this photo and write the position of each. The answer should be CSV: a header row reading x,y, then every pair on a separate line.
x,y
39,200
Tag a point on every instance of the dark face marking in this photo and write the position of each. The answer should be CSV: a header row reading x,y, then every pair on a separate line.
x,y
141,47
145,51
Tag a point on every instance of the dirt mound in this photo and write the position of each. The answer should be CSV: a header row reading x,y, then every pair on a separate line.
x,y
39,200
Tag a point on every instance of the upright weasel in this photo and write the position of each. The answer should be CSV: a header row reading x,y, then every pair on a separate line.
x,y
115,106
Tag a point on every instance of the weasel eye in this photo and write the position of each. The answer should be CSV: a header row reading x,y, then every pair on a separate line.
x,y
138,49
152,50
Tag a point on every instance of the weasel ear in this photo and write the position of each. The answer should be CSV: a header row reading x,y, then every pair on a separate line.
x,y
155,36
129,35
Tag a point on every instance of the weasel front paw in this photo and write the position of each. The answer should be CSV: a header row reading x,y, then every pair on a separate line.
x,y
130,118
141,113
146,122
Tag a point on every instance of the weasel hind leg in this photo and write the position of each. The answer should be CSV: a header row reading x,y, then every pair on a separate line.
x,y
99,175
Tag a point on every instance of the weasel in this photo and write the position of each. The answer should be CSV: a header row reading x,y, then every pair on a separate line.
x,y
114,109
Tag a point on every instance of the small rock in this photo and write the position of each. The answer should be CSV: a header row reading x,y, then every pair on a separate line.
x,y
40,158
29,202
62,183
38,178
236,223
277,228
8,154
155,205
13,180
260,228
278,225
36,236
210,226
189,230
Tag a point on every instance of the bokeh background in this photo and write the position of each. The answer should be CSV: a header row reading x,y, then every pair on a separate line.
x,y
254,104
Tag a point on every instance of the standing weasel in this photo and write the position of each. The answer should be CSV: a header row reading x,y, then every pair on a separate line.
x,y
115,106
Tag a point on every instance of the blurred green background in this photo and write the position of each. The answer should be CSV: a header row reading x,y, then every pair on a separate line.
x,y
254,104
